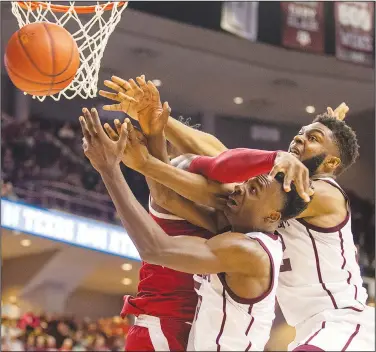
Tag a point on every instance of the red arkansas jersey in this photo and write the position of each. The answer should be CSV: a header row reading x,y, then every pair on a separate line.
x,y
163,292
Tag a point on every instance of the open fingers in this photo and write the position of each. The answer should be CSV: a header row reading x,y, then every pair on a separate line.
x,y
118,125
110,132
96,121
89,122
154,91
274,171
112,85
302,185
165,113
84,128
141,80
121,82
131,131
113,107
133,84
108,95
123,137
287,180
144,87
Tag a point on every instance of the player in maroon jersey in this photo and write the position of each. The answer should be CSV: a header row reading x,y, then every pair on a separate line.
x,y
165,310
314,145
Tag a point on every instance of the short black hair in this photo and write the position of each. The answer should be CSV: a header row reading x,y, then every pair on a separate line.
x,y
345,139
293,204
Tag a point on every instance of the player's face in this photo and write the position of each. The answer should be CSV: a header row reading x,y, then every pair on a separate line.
x,y
255,205
314,146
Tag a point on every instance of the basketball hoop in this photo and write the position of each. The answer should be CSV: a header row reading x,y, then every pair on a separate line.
x,y
91,36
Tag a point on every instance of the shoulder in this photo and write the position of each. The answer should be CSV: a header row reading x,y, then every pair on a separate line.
x,y
326,200
243,253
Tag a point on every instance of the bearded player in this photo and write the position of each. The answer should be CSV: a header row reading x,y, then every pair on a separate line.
x,y
239,269
320,243
166,299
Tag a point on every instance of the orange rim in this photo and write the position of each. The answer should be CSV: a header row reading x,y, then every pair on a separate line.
x,y
63,8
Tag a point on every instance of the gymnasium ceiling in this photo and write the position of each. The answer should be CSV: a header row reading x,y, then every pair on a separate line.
x,y
202,71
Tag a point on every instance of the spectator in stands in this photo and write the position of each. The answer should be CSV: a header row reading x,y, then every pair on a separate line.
x,y
67,345
40,343
51,344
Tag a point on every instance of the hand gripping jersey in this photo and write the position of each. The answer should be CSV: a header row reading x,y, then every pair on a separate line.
x,y
163,292
225,322
319,270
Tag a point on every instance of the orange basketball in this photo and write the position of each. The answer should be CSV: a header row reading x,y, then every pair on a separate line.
x,y
42,58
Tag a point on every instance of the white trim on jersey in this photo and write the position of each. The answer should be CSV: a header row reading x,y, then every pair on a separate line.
x,y
159,215
157,337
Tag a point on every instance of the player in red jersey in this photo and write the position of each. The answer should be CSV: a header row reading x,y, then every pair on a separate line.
x,y
165,311
250,265
326,208
166,300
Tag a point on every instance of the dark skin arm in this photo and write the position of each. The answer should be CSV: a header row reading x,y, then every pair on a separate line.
x,y
185,138
232,253
167,199
153,121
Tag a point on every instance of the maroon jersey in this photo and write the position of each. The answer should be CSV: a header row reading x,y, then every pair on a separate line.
x,y
163,292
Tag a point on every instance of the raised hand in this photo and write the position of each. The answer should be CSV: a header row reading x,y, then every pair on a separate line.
x,y
136,153
127,91
152,116
141,102
340,112
104,154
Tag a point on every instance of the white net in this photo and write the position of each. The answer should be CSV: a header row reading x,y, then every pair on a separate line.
x,y
91,37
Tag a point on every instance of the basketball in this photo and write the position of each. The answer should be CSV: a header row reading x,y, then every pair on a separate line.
x,y
42,58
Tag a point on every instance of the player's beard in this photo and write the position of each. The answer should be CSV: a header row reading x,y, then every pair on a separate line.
x,y
314,163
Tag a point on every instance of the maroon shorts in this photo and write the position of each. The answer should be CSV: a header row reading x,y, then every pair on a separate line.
x,y
154,334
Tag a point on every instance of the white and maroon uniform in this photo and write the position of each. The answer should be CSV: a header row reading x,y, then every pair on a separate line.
x,y
226,322
320,288
166,301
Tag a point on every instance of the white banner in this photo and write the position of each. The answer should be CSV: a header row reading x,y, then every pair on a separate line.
x,y
70,229
240,18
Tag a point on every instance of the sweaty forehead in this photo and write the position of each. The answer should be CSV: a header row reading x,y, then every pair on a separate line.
x,y
319,127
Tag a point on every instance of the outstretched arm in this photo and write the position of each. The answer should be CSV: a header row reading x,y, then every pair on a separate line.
x,y
224,253
187,139
168,199
192,141
152,117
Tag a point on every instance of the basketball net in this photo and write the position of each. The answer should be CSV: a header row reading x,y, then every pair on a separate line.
x,y
91,37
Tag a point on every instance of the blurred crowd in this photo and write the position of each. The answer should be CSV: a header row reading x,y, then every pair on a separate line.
x,y
38,152
39,333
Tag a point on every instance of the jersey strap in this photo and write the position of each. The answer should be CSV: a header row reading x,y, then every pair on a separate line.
x,y
241,300
334,184
333,228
